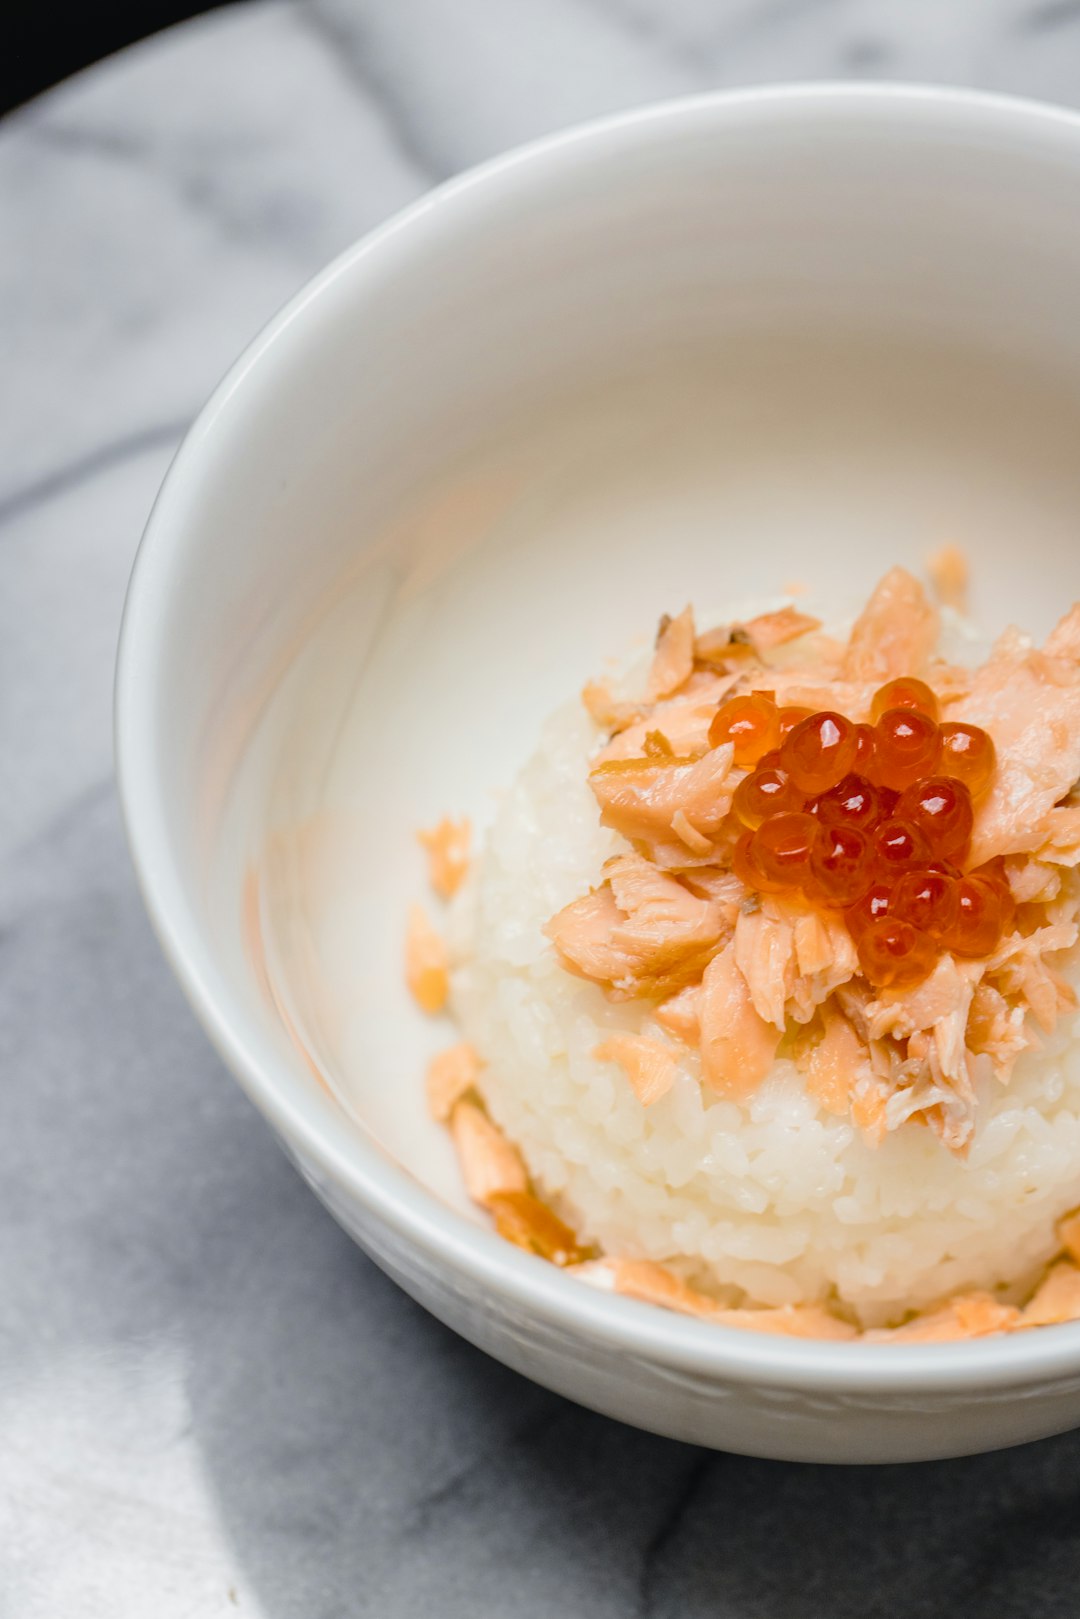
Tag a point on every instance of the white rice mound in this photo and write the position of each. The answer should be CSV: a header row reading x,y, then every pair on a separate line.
x,y
768,1202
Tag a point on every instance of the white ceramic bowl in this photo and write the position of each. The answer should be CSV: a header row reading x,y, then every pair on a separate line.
x,y
687,353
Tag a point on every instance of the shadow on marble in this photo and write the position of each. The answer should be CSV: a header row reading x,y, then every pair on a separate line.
x,y
369,1462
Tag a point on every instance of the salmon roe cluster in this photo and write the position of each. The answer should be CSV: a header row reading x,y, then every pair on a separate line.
x,y
872,820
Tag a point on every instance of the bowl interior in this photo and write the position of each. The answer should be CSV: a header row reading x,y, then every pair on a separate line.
x,y
699,356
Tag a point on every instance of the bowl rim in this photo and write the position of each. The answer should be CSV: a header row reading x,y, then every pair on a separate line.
x,y
317,1128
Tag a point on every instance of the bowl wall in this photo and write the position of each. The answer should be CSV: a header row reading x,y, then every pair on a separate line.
x,y
693,354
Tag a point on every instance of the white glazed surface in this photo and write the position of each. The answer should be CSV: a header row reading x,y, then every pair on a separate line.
x,y
797,333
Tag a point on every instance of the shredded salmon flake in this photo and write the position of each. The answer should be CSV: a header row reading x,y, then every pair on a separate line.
x,y
833,1064
640,932
653,1284
425,963
648,1065
489,1163
737,1045
948,570
451,1074
1056,1300
789,1321
526,1222
965,1316
1068,1232
771,630
968,1315
868,1115
673,662
679,1015
447,848
722,646
687,833
894,634
607,712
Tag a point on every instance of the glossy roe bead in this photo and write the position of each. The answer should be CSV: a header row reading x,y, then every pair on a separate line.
x,y
907,692
864,749
941,808
747,867
783,846
841,864
751,724
852,802
898,846
819,752
766,791
871,906
892,953
967,754
905,747
994,874
888,797
926,899
790,717
981,913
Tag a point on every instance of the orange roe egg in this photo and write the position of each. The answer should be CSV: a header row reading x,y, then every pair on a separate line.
x,y
742,861
967,754
841,864
981,912
905,747
751,724
783,846
864,749
747,866
852,802
871,906
892,953
994,873
899,845
766,791
819,751
790,717
872,819
888,798
907,692
928,900
941,809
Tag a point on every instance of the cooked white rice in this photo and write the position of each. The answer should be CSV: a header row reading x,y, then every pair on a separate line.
x,y
771,1201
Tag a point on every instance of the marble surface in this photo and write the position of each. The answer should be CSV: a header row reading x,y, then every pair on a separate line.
x,y
210,1402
